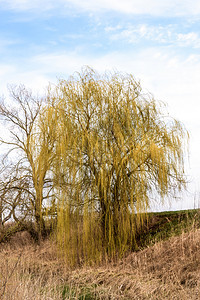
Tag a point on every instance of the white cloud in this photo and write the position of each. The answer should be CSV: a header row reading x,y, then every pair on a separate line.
x,y
10,74
151,7
159,34
188,39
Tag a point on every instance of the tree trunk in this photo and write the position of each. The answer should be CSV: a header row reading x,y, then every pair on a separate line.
x,y
40,224
1,216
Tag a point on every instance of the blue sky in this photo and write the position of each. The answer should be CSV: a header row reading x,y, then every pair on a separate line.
x,y
157,41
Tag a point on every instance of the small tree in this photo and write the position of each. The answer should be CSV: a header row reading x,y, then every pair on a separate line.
x,y
117,147
27,179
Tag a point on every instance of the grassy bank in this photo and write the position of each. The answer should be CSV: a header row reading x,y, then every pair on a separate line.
x,y
166,266
160,226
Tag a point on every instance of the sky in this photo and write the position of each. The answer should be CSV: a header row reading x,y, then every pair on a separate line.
x,y
156,41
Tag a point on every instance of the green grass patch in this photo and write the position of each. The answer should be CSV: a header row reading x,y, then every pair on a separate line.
x,y
77,292
163,225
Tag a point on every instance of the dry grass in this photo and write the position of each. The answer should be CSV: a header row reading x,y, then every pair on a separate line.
x,y
167,270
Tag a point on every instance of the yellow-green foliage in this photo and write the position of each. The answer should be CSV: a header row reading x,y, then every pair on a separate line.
x,y
114,148
39,149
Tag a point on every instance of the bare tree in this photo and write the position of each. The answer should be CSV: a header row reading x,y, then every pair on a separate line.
x,y
27,159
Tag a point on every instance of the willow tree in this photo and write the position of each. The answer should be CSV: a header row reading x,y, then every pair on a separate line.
x,y
116,148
